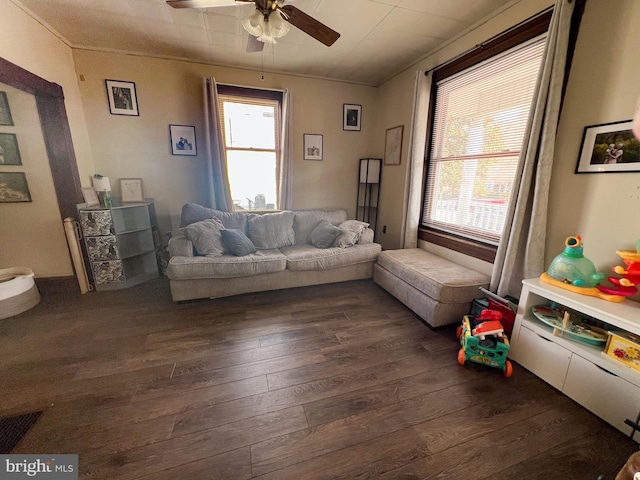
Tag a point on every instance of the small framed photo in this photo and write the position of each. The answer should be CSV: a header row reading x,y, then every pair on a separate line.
x,y
610,147
5,111
90,197
9,152
122,98
393,146
312,146
14,188
131,190
183,140
351,117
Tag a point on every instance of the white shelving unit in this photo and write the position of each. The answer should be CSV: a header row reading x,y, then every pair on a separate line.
x,y
120,244
603,385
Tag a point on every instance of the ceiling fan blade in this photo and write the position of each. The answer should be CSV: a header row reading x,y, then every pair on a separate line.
x,y
254,45
310,25
204,3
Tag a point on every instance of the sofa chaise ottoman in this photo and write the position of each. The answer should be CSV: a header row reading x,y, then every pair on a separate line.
x,y
284,256
437,290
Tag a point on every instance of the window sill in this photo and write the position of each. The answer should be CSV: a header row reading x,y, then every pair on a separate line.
x,y
472,248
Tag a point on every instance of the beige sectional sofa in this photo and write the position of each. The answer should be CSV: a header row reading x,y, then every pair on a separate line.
x,y
292,262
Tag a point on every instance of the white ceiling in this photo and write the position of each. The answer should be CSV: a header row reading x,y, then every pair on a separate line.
x,y
379,38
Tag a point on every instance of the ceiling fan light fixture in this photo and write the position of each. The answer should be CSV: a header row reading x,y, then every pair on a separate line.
x,y
268,28
254,23
279,28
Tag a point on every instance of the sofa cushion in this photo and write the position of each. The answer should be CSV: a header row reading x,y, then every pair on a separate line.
x,y
192,212
324,235
437,277
271,230
306,220
237,243
205,236
350,232
308,257
226,266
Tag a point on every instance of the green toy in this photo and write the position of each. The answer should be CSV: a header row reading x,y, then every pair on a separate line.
x,y
482,340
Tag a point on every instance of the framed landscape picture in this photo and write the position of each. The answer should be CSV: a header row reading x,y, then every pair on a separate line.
x,y
5,111
122,97
14,188
609,147
9,151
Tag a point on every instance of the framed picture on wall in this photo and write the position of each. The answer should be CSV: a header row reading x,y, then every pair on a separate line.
x,y
183,140
131,190
312,146
393,146
351,117
14,188
5,111
610,147
122,97
9,151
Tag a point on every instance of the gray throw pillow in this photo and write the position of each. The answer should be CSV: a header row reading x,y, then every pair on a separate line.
x,y
192,213
205,236
324,235
350,233
271,230
236,242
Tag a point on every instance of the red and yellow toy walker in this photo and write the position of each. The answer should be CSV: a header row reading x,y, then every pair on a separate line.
x,y
482,340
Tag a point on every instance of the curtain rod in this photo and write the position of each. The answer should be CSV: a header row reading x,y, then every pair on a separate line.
x,y
481,45
254,88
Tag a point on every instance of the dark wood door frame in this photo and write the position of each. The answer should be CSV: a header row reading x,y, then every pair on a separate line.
x,y
57,136
55,130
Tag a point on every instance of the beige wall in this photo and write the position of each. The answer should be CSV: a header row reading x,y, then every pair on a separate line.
x,y
31,234
170,92
604,86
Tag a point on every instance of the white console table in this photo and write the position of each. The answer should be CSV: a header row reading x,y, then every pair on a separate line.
x,y
581,371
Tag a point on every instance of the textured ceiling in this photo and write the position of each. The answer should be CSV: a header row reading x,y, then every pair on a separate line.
x,y
379,38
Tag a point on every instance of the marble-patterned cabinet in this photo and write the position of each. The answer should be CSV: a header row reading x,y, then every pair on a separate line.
x,y
120,244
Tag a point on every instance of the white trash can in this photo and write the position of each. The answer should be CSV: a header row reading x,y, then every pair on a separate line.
x,y
18,291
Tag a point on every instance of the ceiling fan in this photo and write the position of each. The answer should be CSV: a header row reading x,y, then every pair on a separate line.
x,y
269,20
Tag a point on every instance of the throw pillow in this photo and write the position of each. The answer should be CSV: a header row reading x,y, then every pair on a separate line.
x,y
271,230
205,236
192,213
350,233
236,242
324,235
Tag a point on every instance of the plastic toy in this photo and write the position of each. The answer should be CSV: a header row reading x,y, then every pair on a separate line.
x,y
482,340
572,271
627,285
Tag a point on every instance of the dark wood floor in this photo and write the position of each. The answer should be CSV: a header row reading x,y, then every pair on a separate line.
x,y
336,381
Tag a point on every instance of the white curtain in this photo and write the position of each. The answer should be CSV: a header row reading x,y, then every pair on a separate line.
x,y
285,162
219,190
521,251
417,145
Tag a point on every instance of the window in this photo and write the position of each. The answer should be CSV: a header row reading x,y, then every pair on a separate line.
x,y
479,116
251,129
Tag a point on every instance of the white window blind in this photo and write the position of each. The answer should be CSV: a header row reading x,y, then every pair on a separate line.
x,y
251,127
479,122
